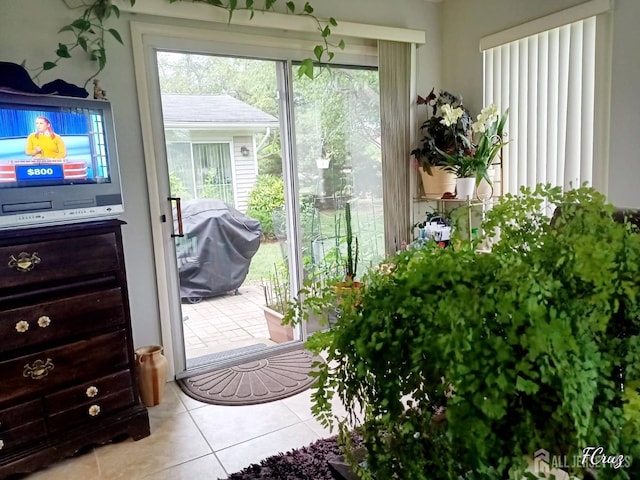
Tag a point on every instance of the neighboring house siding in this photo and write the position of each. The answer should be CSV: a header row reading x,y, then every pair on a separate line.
x,y
201,119
244,170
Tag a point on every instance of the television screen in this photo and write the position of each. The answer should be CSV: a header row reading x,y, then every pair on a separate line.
x,y
58,160
43,146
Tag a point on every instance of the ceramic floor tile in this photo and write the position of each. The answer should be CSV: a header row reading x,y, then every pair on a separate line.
x,y
320,430
173,441
80,467
300,404
188,402
226,426
207,467
237,457
170,404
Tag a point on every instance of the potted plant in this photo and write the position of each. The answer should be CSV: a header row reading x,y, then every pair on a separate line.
x,y
90,30
479,145
277,302
436,181
459,365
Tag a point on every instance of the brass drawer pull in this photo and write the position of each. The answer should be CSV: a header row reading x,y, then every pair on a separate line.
x,y
22,326
94,410
44,321
24,262
38,370
92,391
1,444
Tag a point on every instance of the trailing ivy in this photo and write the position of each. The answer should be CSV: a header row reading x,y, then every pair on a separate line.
x,y
89,31
462,365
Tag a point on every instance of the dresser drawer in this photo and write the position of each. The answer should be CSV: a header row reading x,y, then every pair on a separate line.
x,y
17,416
92,410
32,263
60,318
25,433
90,391
51,369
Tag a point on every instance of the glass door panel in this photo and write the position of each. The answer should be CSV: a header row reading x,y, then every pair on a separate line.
x,y
337,124
223,153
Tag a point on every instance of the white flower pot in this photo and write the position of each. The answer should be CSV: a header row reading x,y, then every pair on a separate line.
x,y
465,188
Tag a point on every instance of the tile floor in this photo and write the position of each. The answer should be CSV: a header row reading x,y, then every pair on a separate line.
x,y
192,440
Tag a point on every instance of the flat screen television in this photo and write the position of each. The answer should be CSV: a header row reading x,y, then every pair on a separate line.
x,y
58,160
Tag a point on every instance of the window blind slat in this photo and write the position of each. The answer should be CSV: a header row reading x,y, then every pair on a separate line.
x,y
552,107
563,100
514,91
542,102
532,111
574,108
523,90
588,100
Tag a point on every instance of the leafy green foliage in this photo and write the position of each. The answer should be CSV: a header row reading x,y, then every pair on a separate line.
x,y
276,288
89,31
459,364
266,198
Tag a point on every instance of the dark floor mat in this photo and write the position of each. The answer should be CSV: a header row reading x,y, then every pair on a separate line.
x,y
261,380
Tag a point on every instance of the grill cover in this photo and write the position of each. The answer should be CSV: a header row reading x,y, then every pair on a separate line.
x,y
216,251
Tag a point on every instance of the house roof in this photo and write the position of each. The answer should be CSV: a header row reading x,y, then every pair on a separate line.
x,y
212,110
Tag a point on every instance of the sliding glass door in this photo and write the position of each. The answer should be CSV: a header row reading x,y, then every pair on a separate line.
x,y
250,145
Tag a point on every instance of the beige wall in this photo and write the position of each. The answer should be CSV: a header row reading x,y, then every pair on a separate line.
x,y
464,22
29,31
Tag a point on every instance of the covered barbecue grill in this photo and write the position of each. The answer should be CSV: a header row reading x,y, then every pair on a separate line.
x,y
216,251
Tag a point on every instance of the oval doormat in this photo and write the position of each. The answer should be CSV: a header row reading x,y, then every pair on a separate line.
x,y
256,381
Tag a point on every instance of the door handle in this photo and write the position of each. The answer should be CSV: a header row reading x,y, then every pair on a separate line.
x,y
179,212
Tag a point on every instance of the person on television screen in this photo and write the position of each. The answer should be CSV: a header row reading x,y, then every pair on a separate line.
x,y
44,142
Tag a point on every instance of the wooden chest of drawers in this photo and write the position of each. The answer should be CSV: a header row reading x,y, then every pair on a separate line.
x,y
67,370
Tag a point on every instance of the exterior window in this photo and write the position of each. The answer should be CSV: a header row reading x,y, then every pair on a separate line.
x,y
201,170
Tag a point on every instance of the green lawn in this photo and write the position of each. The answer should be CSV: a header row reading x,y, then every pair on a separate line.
x,y
262,263
367,226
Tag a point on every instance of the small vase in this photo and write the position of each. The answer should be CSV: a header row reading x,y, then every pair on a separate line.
x,y
151,366
465,188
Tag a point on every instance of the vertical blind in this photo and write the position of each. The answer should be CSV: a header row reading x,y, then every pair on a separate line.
x,y
394,59
547,81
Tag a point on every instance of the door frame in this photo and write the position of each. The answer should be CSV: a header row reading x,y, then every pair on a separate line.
x,y
146,40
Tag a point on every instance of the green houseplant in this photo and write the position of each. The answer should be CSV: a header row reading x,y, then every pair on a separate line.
x,y
459,365
91,28
277,302
351,263
437,136
479,147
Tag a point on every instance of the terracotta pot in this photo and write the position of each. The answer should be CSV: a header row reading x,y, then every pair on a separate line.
x,y
151,367
342,287
277,332
439,182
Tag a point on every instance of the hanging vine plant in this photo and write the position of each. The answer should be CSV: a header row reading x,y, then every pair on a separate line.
x,y
90,30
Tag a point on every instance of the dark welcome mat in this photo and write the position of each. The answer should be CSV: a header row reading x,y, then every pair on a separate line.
x,y
261,380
